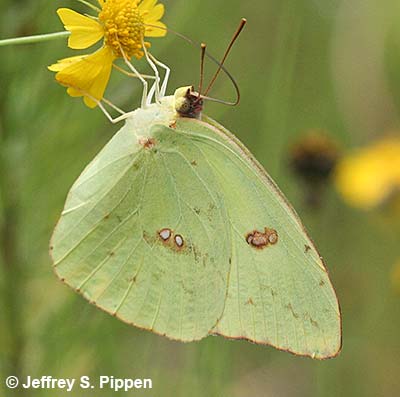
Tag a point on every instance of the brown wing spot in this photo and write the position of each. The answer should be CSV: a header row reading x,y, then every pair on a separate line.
x,y
321,283
179,241
273,238
290,308
146,237
176,242
165,234
261,240
147,143
306,248
250,301
193,162
314,323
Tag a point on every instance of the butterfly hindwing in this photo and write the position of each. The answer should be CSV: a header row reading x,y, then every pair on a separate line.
x,y
279,291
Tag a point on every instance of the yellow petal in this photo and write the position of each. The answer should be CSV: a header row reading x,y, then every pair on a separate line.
x,y
154,31
74,92
101,2
89,76
85,31
146,5
155,14
63,63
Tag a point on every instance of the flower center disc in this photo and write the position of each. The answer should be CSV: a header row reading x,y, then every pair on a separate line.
x,y
123,27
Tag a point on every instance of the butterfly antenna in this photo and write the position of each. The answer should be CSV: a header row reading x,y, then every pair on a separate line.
x,y
200,96
203,53
212,58
221,64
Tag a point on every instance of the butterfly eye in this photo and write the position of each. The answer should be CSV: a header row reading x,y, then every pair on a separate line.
x,y
184,107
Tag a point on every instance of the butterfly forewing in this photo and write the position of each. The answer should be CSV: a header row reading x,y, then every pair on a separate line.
x,y
138,237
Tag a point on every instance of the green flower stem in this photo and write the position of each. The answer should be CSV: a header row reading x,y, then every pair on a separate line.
x,y
34,39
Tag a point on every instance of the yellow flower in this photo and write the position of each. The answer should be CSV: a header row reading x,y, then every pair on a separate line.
x,y
121,24
371,175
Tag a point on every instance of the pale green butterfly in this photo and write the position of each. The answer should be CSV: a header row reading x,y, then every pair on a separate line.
x,y
175,227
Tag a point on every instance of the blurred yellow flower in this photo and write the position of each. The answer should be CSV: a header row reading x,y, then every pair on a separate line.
x,y
122,24
370,175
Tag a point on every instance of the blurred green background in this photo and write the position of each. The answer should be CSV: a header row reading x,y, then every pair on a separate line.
x,y
301,65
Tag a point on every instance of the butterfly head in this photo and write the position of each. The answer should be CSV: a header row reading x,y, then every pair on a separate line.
x,y
188,103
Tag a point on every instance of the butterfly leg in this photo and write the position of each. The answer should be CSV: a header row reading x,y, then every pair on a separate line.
x,y
166,76
126,73
109,103
156,73
99,103
151,94
133,69
123,115
115,120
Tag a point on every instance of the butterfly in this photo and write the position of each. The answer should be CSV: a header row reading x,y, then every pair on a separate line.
x,y
176,228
